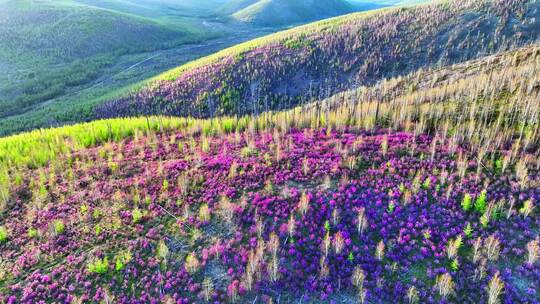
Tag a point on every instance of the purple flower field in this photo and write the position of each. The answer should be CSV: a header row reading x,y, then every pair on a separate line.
x,y
305,216
390,156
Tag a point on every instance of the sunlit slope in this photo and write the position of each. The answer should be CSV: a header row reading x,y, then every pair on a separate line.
x,y
316,60
233,6
281,12
65,30
160,10
48,47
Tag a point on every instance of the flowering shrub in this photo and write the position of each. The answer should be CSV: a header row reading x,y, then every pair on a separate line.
x,y
294,221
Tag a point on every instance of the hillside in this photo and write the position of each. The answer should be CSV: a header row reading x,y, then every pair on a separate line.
x,y
232,6
369,4
235,6
285,12
164,11
317,60
49,47
418,189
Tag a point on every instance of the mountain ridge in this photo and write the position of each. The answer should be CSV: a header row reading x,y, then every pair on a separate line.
x,y
272,12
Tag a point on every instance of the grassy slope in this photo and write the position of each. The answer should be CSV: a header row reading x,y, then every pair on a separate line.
x,y
323,27
50,47
234,6
66,110
52,24
130,73
35,92
271,12
164,11
332,55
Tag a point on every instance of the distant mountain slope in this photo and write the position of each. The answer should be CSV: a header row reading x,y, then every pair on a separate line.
x,y
233,6
48,30
384,3
279,12
47,47
158,8
314,61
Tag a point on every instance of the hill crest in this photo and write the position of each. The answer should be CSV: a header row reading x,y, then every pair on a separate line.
x,y
279,12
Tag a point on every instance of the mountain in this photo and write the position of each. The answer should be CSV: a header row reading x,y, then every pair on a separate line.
x,y
286,12
417,189
299,11
317,60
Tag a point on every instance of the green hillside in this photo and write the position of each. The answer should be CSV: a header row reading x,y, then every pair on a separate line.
x,y
50,46
83,52
279,12
232,6
165,11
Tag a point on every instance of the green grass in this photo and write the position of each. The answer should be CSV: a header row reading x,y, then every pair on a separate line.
x,y
36,148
